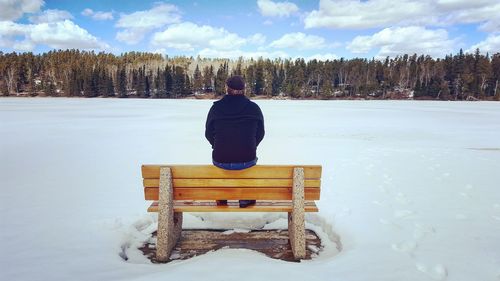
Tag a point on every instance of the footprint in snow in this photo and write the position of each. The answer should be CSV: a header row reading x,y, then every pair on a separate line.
x,y
421,230
401,198
383,189
344,212
465,195
405,247
375,202
403,214
387,179
437,272
388,222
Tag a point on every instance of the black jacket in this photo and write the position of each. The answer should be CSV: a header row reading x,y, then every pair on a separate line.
x,y
234,128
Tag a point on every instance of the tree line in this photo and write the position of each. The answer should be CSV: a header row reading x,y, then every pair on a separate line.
x,y
76,73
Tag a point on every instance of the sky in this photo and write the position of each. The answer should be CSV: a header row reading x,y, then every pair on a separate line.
x,y
321,29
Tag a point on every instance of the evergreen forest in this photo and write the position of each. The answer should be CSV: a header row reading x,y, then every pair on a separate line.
x,y
76,73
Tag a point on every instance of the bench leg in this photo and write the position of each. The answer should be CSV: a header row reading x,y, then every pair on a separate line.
x,y
169,222
296,219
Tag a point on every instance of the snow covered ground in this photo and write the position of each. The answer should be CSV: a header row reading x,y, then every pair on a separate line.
x,y
410,191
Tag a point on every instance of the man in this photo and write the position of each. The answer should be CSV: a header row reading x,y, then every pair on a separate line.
x,y
234,128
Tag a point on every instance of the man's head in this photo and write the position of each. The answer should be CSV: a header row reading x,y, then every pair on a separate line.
x,y
235,85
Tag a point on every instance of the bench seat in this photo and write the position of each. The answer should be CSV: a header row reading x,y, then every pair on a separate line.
x,y
211,206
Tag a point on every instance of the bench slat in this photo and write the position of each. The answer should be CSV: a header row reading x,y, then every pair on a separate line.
x,y
212,172
231,183
261,206
233,193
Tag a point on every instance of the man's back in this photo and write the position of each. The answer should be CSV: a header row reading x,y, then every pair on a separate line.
x,y
234,127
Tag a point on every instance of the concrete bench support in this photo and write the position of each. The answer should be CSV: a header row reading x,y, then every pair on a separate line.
x,y
169,222
296,219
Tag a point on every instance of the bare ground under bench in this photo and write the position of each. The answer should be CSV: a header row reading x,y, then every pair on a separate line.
x,y
272,243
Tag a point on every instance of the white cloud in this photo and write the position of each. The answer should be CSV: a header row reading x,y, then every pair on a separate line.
x,y
87,12
366,14
268,22
384,13
257,39
13,10
156,17
490,45
269,8
98,15
60,35
491,26
404,40
129,36
161,51
487,14
138,24
300,41
322,57
451,5
188,36
234,54
9,28
50,16
64,35
24,46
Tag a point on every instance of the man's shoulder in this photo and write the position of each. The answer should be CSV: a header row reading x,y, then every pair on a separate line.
x,y
253,104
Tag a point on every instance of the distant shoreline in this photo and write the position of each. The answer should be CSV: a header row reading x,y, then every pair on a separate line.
x,y
74,73
250,97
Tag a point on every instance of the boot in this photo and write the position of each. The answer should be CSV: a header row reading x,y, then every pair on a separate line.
x,y
246,203
221,202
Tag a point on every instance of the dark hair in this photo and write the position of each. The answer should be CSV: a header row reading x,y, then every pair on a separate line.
x,y
235,92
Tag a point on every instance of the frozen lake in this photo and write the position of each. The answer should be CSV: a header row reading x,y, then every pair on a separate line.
x,y
410,190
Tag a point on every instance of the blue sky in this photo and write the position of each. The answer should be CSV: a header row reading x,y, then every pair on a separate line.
x,y
323,29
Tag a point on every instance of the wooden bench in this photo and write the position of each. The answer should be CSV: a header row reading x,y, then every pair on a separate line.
x,y
194,188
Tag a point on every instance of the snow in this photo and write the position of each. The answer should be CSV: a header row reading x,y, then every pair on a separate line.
x,y
409,189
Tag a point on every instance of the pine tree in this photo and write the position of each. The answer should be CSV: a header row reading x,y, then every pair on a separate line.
x,y
140,83
147,87
178,82
188,88
258,88
197,80
208,78
220,79
122,82
88,86
168,81
250,80
110,88
238,69
495,65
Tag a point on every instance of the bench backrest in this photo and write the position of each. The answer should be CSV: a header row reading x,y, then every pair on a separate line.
x,y
207,182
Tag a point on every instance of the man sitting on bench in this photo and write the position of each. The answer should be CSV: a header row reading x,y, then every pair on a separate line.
x,y
234,128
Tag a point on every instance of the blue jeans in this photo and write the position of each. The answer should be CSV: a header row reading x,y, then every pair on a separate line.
x,y
235,166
